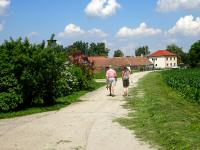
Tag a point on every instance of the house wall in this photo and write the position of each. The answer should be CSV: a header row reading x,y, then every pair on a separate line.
x,y
159,62
164,61
171,62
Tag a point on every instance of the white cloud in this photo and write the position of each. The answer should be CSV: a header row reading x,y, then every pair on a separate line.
x,y
70,30
32,34
187,26
74,30
1,26
97,32
102,8
142,31
173,5
4,4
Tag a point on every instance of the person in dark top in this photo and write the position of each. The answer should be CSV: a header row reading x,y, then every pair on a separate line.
x,y
125,79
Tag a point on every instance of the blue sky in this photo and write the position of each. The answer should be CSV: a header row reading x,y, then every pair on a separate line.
x,y
121,24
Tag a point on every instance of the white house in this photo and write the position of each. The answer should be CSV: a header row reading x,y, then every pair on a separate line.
x,y
163,59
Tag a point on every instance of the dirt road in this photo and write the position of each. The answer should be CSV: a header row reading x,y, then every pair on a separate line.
x,y
87,125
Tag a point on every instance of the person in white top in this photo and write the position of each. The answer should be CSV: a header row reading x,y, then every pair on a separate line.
x,y
111,76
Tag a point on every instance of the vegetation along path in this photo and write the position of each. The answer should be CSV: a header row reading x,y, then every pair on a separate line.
x,y
86,125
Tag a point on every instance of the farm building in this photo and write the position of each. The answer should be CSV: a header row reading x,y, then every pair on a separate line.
x,y
101,62
162,59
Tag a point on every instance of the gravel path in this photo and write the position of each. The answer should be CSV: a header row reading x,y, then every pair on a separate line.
x,y
85,125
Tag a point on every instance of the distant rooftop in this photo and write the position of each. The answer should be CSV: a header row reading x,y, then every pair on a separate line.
x,y
160,53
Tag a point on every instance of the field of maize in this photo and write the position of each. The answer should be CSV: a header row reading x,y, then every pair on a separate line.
x,y
186,81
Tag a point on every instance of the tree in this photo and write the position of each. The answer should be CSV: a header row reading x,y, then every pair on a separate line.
x,y
194,54
78,46
118,53
94,49
182,58
144,50
98,49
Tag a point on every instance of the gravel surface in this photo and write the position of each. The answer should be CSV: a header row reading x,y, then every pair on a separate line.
x,y
86,125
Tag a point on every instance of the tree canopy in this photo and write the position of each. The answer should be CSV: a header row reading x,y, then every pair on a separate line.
x,y
194,54
179,51
92,49
78,46
118,53
144,50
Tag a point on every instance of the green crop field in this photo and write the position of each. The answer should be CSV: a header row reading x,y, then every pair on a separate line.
x,y
186,81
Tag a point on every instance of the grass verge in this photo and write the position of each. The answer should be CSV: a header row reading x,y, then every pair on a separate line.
x,y
161,116
60,103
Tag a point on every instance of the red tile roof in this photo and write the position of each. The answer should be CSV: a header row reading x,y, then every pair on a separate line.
x,y
99,61
102,62
162,53
94,58
139,61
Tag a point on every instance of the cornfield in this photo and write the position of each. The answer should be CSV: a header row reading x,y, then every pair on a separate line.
x,y
186,81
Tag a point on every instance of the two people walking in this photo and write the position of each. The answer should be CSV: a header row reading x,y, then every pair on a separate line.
x,y
111,78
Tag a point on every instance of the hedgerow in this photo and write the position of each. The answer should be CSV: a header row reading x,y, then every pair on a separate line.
x,y
35,73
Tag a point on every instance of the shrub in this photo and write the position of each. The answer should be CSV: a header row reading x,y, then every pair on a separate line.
x,y
10,101
32,74
68,82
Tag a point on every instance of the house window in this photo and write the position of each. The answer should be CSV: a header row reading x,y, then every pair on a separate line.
x,y
170,64
174,58
174,64
167,58
167,65
170,58
156,65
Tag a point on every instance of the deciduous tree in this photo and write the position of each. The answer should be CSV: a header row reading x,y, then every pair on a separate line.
x,y
179,51
194,54
118,53
144,50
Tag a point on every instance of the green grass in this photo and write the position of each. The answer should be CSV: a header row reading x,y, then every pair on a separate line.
x,y
161,116
100,75
60,103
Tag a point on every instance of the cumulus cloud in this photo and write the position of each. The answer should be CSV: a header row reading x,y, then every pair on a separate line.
x,y
74,30
102,8
173,5
71,29
4,4
32,34
97,32
142,31
187,26
1,26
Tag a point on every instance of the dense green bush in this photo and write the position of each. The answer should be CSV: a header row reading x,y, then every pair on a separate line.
x,y
32,74
68,82
10,100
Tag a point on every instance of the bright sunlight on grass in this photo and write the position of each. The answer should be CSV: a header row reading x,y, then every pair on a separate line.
x,y
161,116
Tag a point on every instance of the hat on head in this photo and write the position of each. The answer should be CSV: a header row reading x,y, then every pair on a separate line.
x,y
129,68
